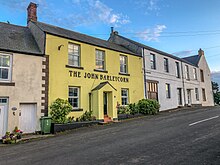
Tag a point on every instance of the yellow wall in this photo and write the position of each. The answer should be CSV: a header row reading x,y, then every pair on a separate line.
x,y
60,79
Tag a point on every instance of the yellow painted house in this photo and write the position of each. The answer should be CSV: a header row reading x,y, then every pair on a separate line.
x,y
93,74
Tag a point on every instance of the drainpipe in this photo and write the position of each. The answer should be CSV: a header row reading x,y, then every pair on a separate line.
x,y
184,93
145,88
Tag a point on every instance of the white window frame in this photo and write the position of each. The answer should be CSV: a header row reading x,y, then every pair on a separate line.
x,y
152,61
195,74
74,53
168,91
166,65
197,94
125,97
187,72
177,69
74,97
8,67
98,60
123,64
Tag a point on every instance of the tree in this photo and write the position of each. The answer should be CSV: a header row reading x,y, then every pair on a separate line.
x,y
215,87
216,93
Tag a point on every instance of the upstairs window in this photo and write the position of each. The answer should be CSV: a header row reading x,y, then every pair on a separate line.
x,y
187,72
152,61
100,60
177,70
5,67
202,75
166,65
124,96
194,74
73,54
168,94
123,64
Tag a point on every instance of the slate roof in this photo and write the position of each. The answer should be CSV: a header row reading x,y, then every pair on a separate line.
x,y
17,39
54,30
156,50
193,59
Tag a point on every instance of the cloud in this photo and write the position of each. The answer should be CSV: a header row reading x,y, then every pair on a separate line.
x,y
149,6
95,11
152,34
73,13
215,76
183,53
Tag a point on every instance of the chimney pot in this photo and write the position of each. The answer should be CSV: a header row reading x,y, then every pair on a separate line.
x,y
112,29
32,12
201,52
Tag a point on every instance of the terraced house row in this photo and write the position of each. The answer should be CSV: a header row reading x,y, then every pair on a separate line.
x,y
40,63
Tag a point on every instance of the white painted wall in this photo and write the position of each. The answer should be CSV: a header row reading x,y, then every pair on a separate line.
x,y
163,77
207,83
27,76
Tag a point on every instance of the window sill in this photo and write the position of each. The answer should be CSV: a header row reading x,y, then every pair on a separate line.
x,y
97,70
75,67
124,74
7,84
77,110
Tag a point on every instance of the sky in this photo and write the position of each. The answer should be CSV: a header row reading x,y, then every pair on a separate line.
x,y
178,27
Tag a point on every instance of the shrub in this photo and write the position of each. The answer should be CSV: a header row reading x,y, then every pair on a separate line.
x,y
59,110
133,108
123,110
87,116
148,107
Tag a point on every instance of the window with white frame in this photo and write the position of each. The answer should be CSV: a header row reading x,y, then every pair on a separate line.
x,y
166,65
194,74
124,96
187,72
152,61
5,67
123,64
168,94
74,97
197,94
100,60
73,54
177,70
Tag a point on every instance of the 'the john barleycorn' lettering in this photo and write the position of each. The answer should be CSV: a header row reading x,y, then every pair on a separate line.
x,y
98,76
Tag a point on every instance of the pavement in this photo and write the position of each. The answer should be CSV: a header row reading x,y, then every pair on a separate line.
x,y
171,138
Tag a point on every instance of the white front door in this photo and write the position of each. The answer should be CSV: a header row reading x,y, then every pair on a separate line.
x,y
3,116
28,118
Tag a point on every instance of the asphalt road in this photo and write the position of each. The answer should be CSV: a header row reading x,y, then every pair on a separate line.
x,y
184,137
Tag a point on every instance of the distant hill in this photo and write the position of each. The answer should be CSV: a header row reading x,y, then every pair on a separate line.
x,y
216,77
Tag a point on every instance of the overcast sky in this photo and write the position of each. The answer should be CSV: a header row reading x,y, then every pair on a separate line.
x,y
178,27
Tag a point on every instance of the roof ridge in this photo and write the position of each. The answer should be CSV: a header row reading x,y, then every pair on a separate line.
x,y
13,25
75,32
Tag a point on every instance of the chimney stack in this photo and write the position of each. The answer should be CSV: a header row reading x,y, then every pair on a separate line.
x,y
201,52
32,12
